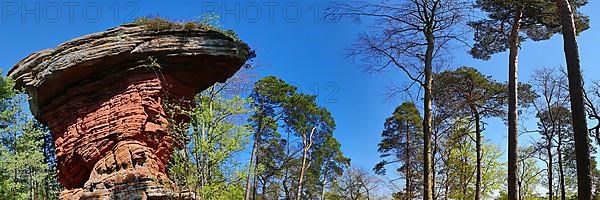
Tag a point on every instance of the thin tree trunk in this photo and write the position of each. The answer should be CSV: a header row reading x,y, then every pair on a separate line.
x,y
478,151
253,160
286,189
255,182
301,178
561,171
263,187
447,184
324,184
464,182
307,140
250,167
433,166
286,175
550,179
427,179
582,144
513,135
408,175
14,185
31,184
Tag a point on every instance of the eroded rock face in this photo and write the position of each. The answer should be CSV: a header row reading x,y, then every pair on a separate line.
x,y
105,99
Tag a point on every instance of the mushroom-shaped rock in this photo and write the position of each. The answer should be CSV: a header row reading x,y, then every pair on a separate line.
x,y
106,96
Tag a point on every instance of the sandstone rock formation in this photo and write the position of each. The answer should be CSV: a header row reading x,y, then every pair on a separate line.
x,y
104,97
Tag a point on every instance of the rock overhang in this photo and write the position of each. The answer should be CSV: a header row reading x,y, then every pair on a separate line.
x,y
197,57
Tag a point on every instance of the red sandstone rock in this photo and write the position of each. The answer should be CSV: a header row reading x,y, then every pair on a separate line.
x,y
103,97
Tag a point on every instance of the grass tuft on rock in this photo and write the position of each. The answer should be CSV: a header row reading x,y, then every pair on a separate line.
x,y
157,23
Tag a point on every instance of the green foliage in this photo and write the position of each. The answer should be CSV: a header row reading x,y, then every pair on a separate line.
x,y
539,21
285,124
462,91
207,162
24,172
460,164
465,90
402,143
530,174
6,89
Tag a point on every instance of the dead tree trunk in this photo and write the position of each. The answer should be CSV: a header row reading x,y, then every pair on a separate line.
x,y
307,141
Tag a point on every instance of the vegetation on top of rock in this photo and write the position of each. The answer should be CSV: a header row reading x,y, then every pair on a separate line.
x,y
207,22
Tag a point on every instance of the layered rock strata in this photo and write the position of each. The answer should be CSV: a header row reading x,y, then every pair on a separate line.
x,y
109,98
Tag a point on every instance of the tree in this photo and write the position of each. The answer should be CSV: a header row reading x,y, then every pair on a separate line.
x,y
6,91
528,172
313,124
268,95
461,170
205,164
23,170
330,163
554,121
52,187
409,36
571,24
401,139
465,91
556,131
507,25
294,141
355,184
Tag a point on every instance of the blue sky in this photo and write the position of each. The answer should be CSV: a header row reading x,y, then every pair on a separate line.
x,y
292,43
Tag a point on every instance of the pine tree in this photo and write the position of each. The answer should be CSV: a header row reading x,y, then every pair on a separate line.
x,y
401,143
465,91
571,23
24,172
508,24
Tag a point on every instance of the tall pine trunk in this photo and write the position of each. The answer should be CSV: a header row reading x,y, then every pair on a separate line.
x,y
513,135
427,99
478,152
582,144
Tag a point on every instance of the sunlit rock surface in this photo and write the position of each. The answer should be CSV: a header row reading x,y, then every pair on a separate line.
x,y
104,97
